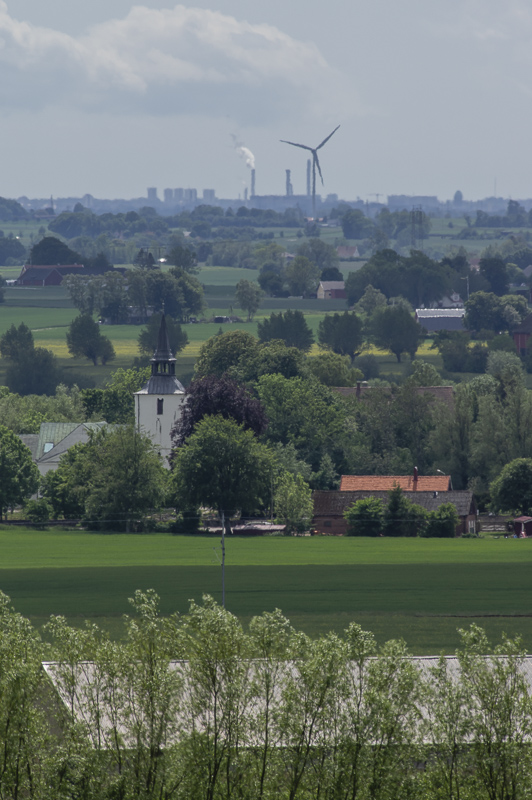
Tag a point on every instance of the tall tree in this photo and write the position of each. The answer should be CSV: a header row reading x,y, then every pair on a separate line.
x,y
219,353
222,466
248,297
16,341
393,328
19,477
210,396
291,327
84,339
342,333
51,251
302,276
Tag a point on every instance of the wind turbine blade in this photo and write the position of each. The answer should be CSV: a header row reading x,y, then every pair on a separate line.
x,y
328,137
295,144
317,162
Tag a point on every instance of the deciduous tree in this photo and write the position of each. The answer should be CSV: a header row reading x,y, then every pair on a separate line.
x,y
248,297
291,327
19,477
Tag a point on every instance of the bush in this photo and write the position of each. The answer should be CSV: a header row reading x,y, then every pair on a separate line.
x,y
37,512
442,523
365,517
369,365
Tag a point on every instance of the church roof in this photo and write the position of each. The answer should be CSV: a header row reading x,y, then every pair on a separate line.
x,y
162,384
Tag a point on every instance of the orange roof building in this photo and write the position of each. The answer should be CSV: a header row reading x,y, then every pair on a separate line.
x,y
384,483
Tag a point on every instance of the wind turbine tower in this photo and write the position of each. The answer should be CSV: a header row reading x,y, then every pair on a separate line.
x,y
315,163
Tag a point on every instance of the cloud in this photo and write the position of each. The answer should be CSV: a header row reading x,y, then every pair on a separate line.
x,y
167,61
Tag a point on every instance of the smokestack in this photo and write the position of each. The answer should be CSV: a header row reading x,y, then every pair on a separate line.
x,y
246,194
253,182
308,178
289,189
415,479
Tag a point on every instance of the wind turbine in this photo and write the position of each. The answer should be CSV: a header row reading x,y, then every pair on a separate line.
x,y
315,163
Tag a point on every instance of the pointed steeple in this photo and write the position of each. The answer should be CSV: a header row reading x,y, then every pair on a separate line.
x,y
163,361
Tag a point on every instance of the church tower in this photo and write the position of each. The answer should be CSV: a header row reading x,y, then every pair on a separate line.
x,y
158,405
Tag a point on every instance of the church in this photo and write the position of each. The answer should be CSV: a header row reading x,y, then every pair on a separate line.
x,y
159,404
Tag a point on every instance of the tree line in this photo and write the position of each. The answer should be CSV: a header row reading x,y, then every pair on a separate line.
x,y
193,707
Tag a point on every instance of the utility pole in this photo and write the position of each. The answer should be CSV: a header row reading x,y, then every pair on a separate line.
x,y
223,559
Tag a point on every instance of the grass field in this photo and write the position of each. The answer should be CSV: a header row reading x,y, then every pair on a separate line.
x,y
422,590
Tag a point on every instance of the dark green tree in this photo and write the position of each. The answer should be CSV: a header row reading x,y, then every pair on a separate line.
x,y
248,296
219,353
85,340
512,490
365,517
355,225
51,251
222,466
402,517
34,371
12,251
393,328
184,258
442,523
290,327
19,477
302,276
494,270
16,341
341,333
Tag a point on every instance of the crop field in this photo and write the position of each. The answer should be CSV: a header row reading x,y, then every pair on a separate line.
x,y
422,590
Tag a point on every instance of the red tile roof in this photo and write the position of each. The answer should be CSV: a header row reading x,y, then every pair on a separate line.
x,y
383,483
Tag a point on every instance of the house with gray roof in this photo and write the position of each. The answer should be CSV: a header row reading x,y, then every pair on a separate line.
x,y
55,438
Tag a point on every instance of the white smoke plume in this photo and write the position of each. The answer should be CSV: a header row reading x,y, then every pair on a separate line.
x,y
244,152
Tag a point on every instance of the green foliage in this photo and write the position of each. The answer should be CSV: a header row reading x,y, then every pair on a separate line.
x,y
221,466
12,251
290,327
248,296
323,255
25,414
457,354
113,481
355,225
342,333
393,328
51,251
402,517
442,523
371,300
38,512
512,490
424,374
148,336
302,276
19,477
269,358
487,311
293,504
332,369
34,371
494,270
365,517
219,353
84,339
184,258
417,277
16,341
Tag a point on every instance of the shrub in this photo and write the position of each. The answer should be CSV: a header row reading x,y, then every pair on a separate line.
x,y
365,517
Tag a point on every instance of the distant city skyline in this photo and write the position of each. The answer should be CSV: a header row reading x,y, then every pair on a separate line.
x,y
431,98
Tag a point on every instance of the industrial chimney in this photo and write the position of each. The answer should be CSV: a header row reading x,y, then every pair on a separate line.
x,y
289,187
253,182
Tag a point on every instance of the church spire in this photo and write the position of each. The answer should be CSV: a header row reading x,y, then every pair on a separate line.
x,y
163,361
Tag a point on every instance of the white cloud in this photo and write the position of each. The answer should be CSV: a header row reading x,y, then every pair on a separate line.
x,y
163,61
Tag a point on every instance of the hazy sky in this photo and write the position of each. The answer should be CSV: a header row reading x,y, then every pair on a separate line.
x,y
110,97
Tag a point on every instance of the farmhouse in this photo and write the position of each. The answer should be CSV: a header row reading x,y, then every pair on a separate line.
x,y
46,275
54,439
329,507
385,483
331,290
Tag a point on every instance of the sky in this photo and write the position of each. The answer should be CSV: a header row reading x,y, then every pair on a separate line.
x,y
109,98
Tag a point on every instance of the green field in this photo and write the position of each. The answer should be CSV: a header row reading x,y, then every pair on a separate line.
x,y
422,590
